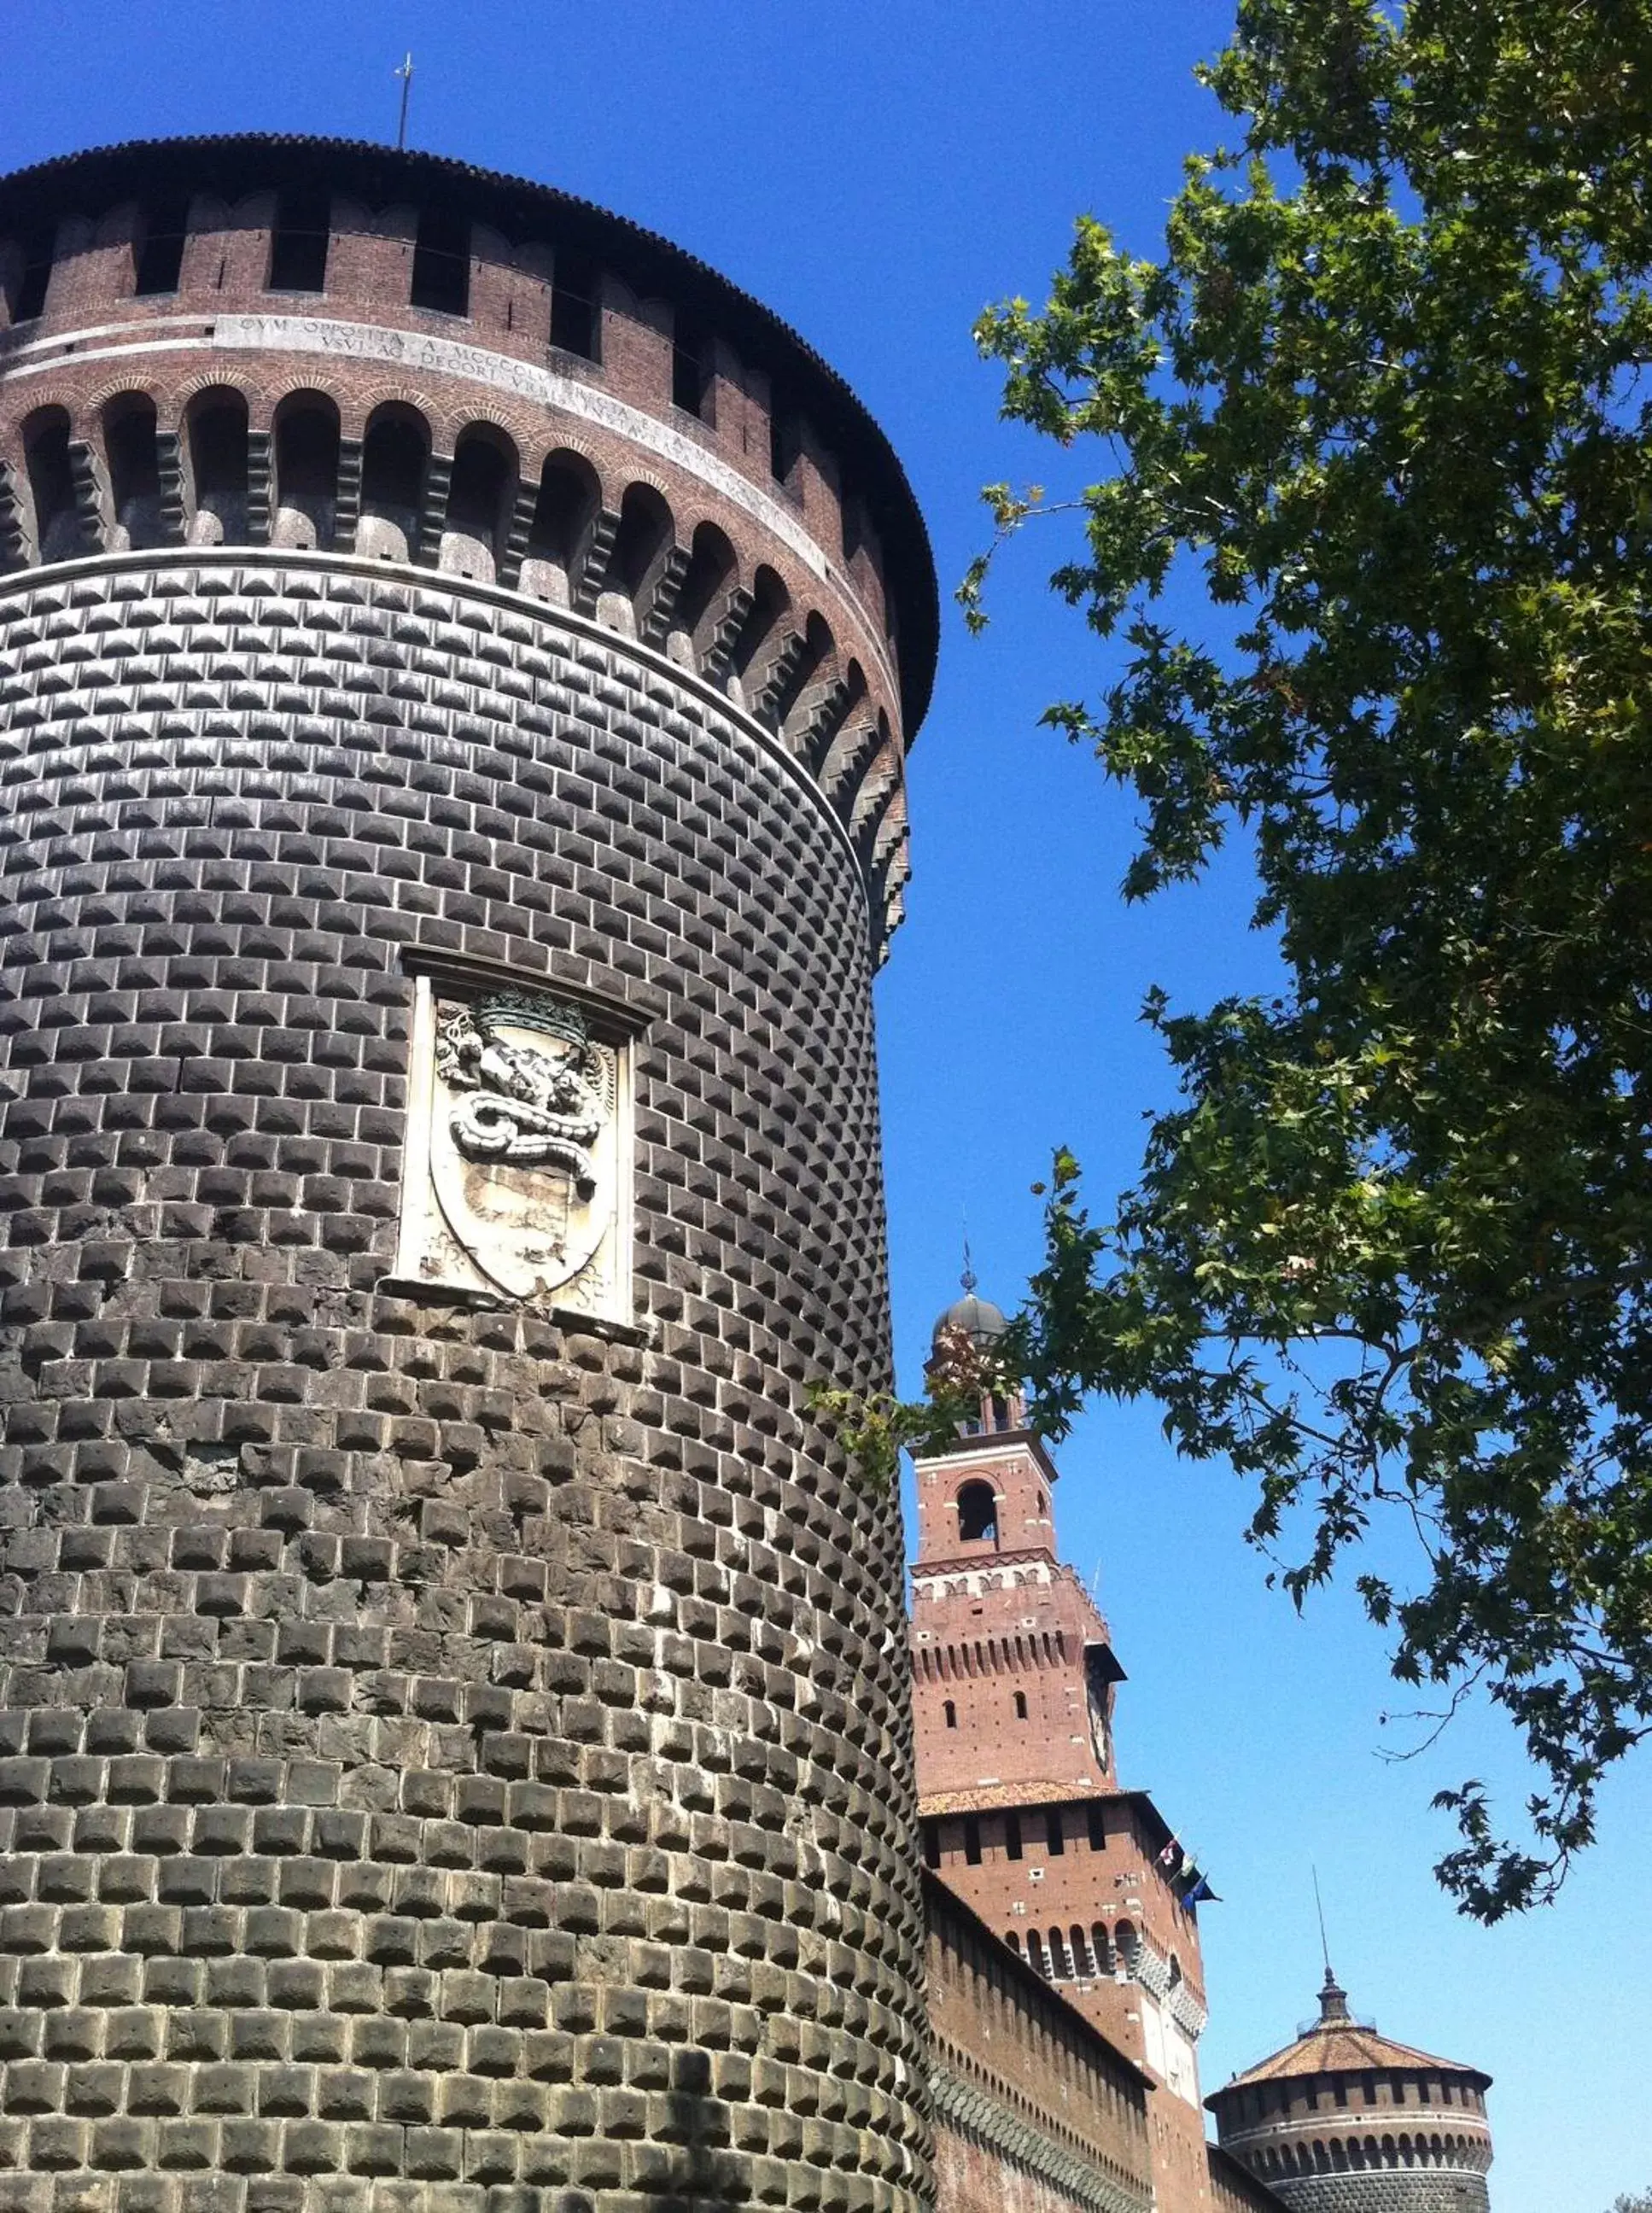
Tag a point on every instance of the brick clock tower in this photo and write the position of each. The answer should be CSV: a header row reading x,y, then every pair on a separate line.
x,y
1014,1681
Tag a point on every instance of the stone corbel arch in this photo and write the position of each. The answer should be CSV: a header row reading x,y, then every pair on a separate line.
x,y
449,424
611,475
34,400
357,410
656,483
189,388
118,387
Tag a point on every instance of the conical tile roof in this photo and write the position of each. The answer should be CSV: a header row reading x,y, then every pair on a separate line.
x,y
1337,2044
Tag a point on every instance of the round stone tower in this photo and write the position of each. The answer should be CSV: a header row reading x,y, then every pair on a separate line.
x,y
1346,2121
456,654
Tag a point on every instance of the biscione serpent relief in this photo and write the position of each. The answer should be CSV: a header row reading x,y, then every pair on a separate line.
x,y
514,1166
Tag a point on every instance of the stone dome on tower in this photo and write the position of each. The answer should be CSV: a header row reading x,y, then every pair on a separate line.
x,y
977,1318
982,1322
1346,2120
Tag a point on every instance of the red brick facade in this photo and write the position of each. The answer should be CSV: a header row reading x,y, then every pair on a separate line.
x,y
1034,2110
688,473
1024,1812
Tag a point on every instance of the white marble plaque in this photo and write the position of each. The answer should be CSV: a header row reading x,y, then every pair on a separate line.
x,y
516,1176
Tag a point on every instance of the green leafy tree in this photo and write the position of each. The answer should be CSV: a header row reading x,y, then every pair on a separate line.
x,y
1640,2202
1386,394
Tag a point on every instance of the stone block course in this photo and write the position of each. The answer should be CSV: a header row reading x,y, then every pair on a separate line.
x,y
446,1756
1409,2190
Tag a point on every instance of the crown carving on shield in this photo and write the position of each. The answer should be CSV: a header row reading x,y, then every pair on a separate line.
x,y
532,1010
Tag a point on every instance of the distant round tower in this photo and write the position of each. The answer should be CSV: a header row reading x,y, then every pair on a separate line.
x,y
1346,2121
456,657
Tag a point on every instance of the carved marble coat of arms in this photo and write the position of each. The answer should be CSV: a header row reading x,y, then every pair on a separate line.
x,y
514,1159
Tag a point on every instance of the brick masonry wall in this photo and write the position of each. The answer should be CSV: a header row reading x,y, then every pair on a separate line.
x,y
1001,2033
445,1760
225,273
1234,2188
973,2175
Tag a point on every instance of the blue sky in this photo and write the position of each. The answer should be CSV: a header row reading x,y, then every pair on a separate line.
x,y
878,174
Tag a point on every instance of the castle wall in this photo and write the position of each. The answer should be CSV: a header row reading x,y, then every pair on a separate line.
x,y
985,2164
454,1747
1234,2188
763,429
1033,2108
1133,1934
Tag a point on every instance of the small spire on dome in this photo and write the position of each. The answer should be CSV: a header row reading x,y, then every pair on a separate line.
x,y
968,1278
1333,1999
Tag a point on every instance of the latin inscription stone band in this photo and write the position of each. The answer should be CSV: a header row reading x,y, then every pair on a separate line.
x,y
447,357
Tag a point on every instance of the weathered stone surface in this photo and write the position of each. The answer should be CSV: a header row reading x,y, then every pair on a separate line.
x,y
1412,2190
447,1759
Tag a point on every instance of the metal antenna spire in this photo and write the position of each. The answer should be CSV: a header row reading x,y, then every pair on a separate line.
x,y
1319,1908
968,1278
405,73
1333,1999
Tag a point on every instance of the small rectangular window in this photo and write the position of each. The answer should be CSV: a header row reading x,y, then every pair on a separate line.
x,y
442,263
972,1841
574,295
161,248
1097,1822
298,242
26,295
1012,1836
1056,1835
931,1845
691,366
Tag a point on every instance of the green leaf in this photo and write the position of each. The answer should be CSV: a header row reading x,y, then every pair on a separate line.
x,y
1386,393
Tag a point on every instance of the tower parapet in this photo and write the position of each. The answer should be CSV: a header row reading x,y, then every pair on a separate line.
x,y
456,654
314,344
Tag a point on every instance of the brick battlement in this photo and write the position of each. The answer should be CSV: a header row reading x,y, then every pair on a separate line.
x,y
242,350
